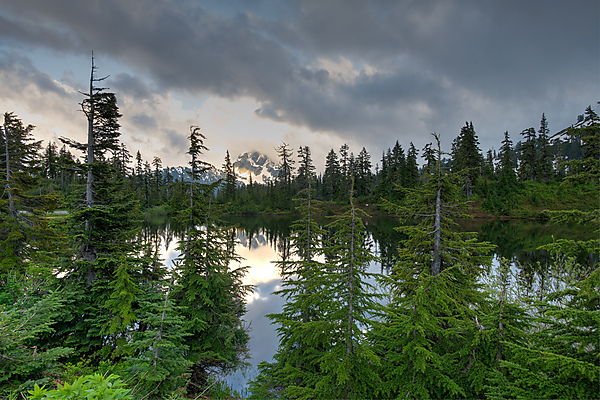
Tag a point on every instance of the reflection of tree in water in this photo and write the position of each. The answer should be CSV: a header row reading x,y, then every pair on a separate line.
x,y
386,240
517,241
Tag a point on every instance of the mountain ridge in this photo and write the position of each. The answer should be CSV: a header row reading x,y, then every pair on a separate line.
x,y
249,165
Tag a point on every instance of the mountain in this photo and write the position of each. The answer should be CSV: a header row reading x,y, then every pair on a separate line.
x,y
208,177
257,165
253,163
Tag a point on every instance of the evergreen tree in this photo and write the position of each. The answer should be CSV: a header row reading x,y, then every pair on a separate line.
x,y
411,175
506,164
107,265
586,169
345,169
26,359
364,176
331,177
157,181
561,357
398,164
348,303
286,166
160,350
50,162
284,178
24,233
210,292
543,143
302,335
230,178
306,170
529,156
426,338
466,157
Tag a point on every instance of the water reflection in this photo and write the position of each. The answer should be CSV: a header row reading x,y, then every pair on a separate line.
x,y
263,240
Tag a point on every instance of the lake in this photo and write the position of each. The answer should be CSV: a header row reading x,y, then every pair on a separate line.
x,y
262,240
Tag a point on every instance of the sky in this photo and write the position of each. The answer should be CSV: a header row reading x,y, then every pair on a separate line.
x,y
254,74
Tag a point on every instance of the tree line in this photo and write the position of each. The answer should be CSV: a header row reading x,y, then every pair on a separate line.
x,y
87,294
498,180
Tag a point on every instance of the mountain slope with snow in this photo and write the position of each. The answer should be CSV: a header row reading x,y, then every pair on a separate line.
x,y
250,164
256,165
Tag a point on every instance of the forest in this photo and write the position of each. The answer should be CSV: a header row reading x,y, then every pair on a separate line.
x,y
88,308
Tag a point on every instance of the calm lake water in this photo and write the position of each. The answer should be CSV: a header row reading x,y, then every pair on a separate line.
x,y
262,240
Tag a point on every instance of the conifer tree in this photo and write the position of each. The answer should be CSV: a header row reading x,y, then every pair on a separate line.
x,y
306,169
543,143
209,291
302,338
230,178
506,164
345,169
466,157
24,233
364,176
561,357
529,156
160,349
411,176
25,357
157,181
348,303
425,339
284,178
107,265
586,169
331,177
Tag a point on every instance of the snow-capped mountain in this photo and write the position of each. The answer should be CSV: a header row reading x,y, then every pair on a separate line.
x,y
257,165
253,163
208,177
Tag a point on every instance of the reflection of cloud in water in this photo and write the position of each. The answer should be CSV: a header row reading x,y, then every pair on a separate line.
x,y
263,337
170,253
264,275
260,260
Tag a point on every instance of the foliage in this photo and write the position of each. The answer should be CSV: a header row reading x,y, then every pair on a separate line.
x,y
24,233
561,359
209,294
92,387
26,359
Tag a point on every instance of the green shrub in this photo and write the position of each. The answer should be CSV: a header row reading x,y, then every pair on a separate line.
x,y
91,387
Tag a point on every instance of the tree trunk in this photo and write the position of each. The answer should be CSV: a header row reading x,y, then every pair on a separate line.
x,y
12,212
89,190
436,266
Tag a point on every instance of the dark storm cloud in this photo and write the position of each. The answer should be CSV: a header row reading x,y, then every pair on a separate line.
x,y
463,60
130,85
144,121
176,140
23,74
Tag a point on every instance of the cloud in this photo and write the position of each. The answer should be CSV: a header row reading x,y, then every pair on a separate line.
x,y
370,72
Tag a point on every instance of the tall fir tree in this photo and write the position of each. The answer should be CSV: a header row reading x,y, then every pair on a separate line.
x,y
466,157
296,369
24,232
545,168
331,177
528,170
209,289
425,339
306,168
348,303
230,187
106,265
